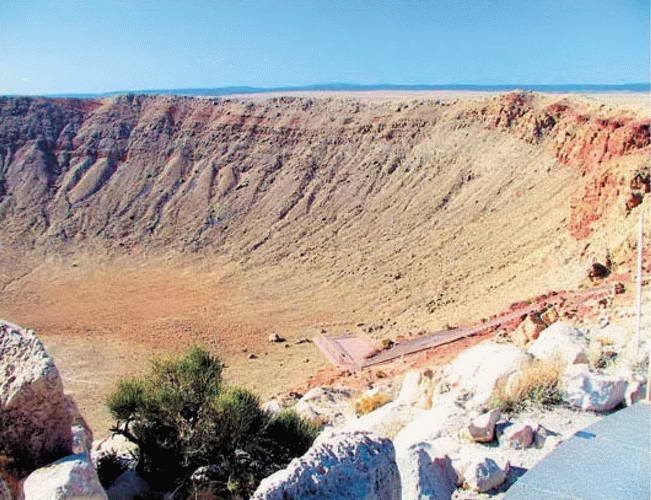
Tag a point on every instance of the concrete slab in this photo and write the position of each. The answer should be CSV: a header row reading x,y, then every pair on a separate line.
x,y
610,459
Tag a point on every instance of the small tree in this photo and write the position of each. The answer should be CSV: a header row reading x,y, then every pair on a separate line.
x,y
183,417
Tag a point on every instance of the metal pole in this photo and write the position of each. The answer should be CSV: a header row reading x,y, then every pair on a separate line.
x,y
640,244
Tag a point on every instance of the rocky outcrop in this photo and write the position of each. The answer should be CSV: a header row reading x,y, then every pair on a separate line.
x,y
33,409
349,465
70,477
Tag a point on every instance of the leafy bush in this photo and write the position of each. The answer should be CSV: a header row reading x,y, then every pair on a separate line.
x,y
536,386
183,417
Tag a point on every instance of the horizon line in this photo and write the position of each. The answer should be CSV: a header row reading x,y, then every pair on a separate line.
x,y
636,87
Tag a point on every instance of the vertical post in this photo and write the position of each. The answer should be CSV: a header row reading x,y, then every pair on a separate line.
x,y
640,244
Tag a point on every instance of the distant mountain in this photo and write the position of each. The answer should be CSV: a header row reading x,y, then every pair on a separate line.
x,y
352,87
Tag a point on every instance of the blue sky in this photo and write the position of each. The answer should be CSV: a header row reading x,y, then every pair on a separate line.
x,y
62,46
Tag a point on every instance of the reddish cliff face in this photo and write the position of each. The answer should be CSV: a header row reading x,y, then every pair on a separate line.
x,y
588,143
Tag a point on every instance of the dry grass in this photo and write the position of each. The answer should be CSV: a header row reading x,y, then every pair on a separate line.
x,y
537,385
366,403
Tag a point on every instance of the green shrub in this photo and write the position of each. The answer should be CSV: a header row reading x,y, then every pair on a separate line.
x,y
109,467
183,417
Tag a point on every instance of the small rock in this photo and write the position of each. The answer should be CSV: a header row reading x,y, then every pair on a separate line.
x,y
482,428
518,436
70,477
274,337
484,475
549,316
252,356
303,341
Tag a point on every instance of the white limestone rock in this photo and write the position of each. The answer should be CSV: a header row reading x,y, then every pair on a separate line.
x,y
326,404
636,390
478,370
346,466
593,391
31,397
484,475
427,425
123,449
70,477
425,473
416,389
387,421
561,341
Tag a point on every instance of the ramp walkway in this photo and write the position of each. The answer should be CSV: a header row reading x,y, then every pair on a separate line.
x,y
609,460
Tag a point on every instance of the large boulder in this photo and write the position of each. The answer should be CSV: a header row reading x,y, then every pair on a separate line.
x,y
478,370
425,473
69,477
560,341
32,403
593,391
326,405
347,465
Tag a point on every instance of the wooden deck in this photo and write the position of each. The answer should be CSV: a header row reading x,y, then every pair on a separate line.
x,y
353,351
